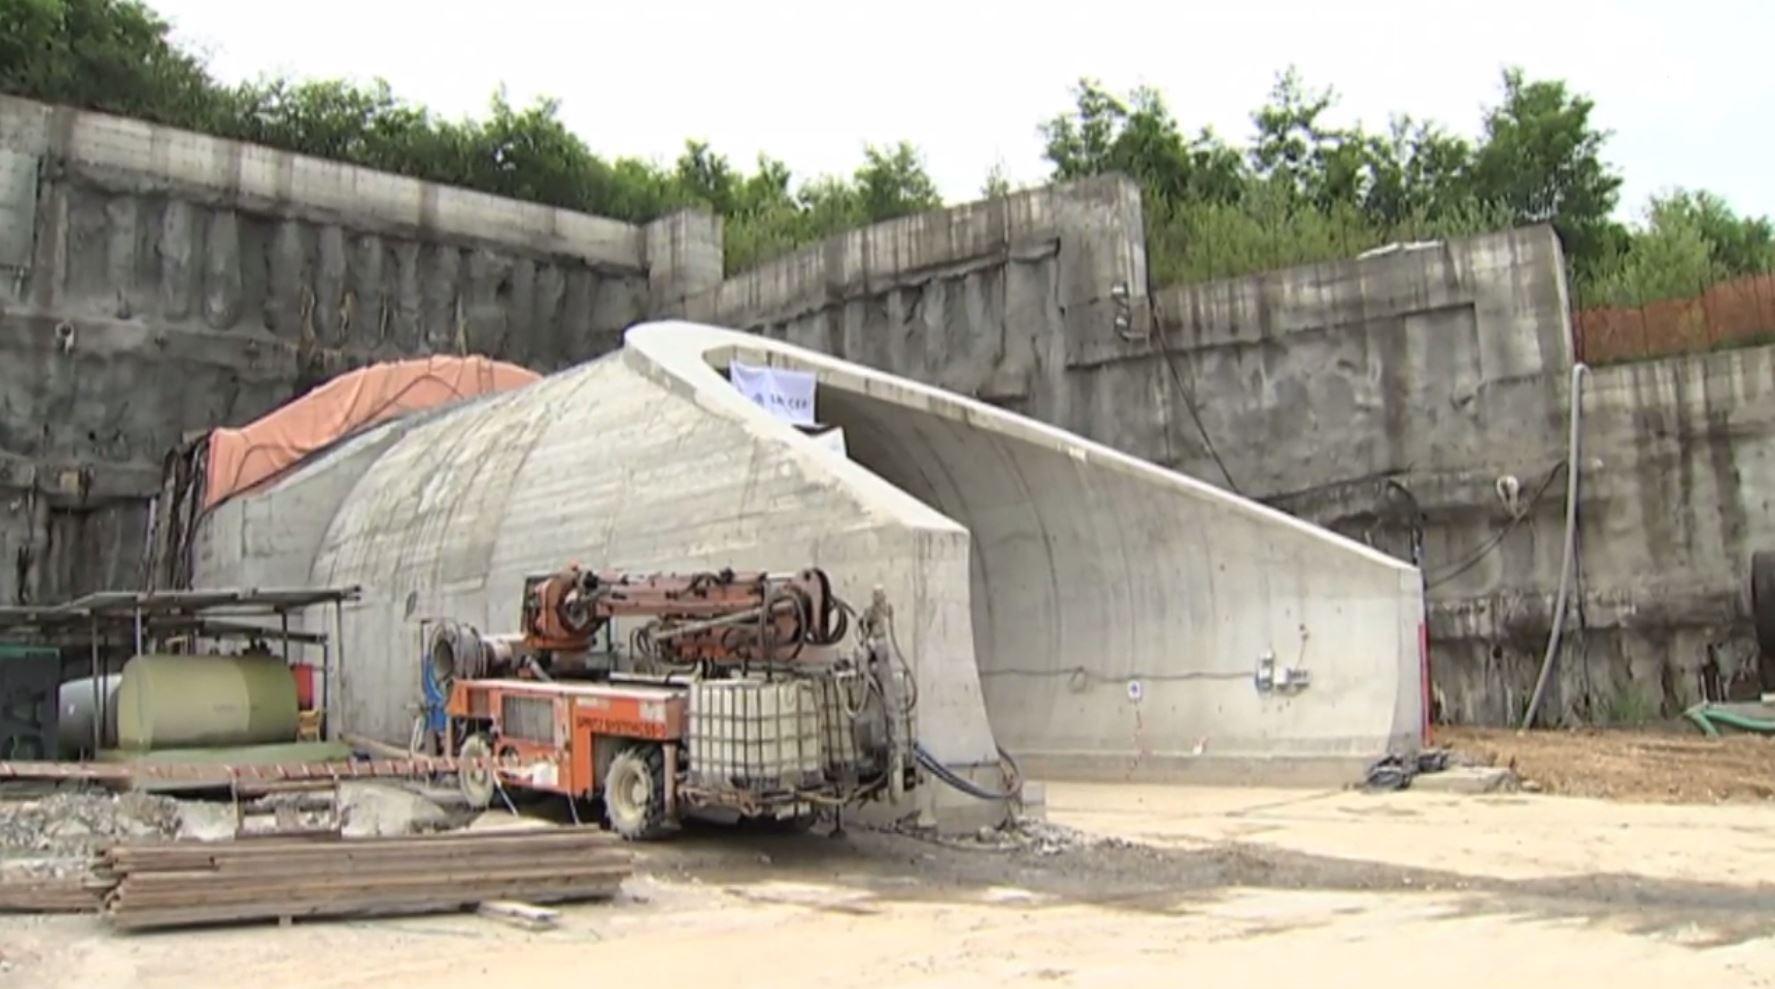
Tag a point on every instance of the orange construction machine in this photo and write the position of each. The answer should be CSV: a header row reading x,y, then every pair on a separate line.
x,y
659,696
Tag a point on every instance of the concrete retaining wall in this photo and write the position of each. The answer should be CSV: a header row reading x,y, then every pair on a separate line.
x,y
1384,397
155,282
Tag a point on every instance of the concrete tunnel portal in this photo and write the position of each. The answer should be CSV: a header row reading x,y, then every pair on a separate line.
x,y
1121,614
1089,612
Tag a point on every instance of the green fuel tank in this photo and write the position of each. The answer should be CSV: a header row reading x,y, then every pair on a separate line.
x,y
198,700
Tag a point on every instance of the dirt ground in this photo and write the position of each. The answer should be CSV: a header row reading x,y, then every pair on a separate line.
x,y
1675,766
1129,886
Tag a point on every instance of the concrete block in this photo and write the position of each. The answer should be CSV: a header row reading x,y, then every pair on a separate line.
x,y
1466,779
684,257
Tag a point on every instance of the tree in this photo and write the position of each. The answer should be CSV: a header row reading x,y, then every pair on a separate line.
x,y
1419,169
111,55
892,182
1738,245
1669,258
1298,152
1140,139
997,184
1541,158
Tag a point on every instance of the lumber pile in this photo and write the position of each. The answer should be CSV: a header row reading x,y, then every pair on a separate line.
x,y
73,895
185,884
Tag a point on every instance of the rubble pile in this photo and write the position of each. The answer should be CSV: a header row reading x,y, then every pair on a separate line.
x,y
73,824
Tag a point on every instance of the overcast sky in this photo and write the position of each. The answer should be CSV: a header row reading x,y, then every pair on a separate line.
x,y
1687,88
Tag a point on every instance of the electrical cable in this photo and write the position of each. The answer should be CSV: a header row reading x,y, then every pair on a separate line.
x,y
1013,788
1189,403
1455,570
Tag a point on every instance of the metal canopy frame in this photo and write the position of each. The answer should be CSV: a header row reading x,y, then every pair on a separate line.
x,y
210,613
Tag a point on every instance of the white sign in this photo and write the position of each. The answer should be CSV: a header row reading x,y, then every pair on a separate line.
x,y
788,395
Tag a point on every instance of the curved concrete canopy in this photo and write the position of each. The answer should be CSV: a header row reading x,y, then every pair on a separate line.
x,y
1078,606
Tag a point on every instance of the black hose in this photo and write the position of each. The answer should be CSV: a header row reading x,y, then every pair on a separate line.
x,y
931,764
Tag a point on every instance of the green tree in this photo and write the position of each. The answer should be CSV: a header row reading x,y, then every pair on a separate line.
x,y
111,55
997,184
892,182
1419,170
1669,258
1298,152
1140,139
1541,158
1738,245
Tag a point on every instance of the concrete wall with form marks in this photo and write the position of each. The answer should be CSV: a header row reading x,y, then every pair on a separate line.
x,y
1390,398
155,282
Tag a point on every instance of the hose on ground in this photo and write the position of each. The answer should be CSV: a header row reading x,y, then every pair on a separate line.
x,y
1709,717
1013,775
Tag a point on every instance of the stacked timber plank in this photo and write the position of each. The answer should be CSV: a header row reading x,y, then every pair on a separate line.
x,y
184,884
72,895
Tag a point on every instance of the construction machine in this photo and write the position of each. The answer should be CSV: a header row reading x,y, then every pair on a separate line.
x,y
755,695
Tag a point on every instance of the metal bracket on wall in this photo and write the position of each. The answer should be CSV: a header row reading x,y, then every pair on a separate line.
x,y
1280,679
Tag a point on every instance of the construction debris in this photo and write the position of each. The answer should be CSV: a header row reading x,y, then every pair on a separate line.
x,y
525,916
1467,780
1396,772
74,824
176,885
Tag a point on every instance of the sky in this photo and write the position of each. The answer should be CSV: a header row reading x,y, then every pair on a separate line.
x,y
1685,88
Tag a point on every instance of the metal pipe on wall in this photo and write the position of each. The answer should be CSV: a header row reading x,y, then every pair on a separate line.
x,y
1571,544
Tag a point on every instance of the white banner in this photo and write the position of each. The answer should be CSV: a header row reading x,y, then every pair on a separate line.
x,y
788,395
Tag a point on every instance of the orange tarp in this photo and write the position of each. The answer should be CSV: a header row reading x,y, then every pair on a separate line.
x,y
242,458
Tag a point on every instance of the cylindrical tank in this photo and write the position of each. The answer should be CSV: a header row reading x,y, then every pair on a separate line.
x,y
169,702
73,729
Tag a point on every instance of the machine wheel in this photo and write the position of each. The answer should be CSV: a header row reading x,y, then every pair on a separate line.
x,y
478,783
635,793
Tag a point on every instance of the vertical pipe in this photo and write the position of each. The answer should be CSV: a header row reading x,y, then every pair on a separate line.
x,y
1571,540
98,691
284,620
339,633
326,668
138,629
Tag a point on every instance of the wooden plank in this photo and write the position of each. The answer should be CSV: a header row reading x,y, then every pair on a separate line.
x,y
450,839
332,902
380,866
372,902
48,896
138,890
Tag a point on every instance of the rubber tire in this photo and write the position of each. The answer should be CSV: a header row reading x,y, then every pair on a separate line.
x,y
1762,614
636,768
478,787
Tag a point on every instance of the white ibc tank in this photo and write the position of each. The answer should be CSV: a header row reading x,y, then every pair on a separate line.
x,y
749,733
